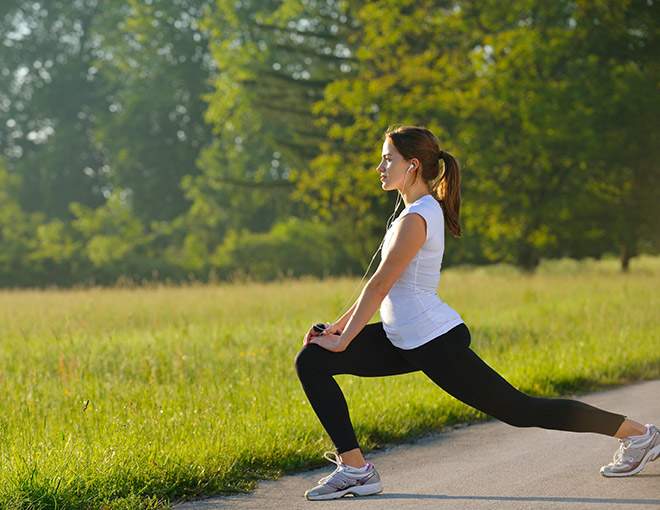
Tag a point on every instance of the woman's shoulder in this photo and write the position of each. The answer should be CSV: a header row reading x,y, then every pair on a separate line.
x,y
426,204
431,210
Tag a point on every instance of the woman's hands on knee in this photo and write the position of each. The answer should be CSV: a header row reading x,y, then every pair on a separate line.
x,y
308,336
331,328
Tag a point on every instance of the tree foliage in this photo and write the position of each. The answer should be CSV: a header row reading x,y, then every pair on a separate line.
x,y
184,139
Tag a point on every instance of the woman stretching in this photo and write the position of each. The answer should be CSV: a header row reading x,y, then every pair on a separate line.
x,y
420,332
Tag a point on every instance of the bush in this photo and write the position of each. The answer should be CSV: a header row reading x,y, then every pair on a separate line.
x,y
292,248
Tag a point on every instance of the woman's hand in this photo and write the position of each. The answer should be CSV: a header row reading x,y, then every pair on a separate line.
x,y
310,334
330,328
329,342
334,329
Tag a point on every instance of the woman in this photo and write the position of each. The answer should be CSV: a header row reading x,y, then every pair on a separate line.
x,y
420,332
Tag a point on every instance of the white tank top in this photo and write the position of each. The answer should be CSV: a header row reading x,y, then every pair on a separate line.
x,y
412,313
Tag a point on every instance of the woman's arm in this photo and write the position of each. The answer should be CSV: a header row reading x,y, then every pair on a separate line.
x,y
408,238
366,305
341,322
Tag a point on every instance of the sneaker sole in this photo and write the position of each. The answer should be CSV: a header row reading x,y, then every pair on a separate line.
x,y
357,490
651,455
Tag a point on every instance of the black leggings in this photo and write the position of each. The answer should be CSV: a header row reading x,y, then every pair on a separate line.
x,y
452,365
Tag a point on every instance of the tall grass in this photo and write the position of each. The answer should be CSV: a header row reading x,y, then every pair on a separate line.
x,y
133,398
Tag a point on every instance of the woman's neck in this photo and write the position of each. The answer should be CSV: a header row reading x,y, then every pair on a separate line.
x,y
411,197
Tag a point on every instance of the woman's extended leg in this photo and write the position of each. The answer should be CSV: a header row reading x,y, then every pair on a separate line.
x,y
370,354
452,365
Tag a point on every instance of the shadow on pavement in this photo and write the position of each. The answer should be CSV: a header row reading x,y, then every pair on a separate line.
x,y
613,501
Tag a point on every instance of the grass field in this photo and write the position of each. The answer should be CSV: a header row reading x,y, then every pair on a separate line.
x,y
131,398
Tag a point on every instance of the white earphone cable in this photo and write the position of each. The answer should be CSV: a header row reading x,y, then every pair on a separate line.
x,y
390,220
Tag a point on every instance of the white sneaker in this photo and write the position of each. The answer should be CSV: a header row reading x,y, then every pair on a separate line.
x,y
346,480
633,453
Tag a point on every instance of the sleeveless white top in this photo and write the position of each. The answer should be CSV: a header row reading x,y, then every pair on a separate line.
x,y
412,313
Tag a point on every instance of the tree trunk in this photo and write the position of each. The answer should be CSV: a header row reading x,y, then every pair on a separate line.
x,y
528,258
626,255
629,247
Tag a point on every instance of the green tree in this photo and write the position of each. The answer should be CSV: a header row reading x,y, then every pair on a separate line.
x,y
274,60
516,90
562,139
16,233
114,241
50,93
620,71
158,67
413,61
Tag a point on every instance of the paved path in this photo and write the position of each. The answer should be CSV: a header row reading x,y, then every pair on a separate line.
x,y
490,465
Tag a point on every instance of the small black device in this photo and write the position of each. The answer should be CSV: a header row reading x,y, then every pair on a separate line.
x,y
319,327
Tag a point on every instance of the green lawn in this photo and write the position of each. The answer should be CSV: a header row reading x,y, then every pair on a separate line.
x,y
131,398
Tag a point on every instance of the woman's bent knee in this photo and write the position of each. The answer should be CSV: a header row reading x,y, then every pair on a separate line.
x,y
307,359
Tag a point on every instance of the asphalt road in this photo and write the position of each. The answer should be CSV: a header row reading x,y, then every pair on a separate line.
x,y
489,465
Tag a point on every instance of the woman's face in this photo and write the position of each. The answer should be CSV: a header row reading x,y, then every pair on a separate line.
x,y
393,167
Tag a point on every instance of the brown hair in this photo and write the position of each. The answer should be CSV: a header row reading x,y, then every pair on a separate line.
x,y
418,142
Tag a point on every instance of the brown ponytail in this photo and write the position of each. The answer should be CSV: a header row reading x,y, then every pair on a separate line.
x,y
448,192
444,183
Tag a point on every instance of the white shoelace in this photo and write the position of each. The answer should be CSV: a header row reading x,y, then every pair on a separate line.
x,y
629,449
621,454
336,460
